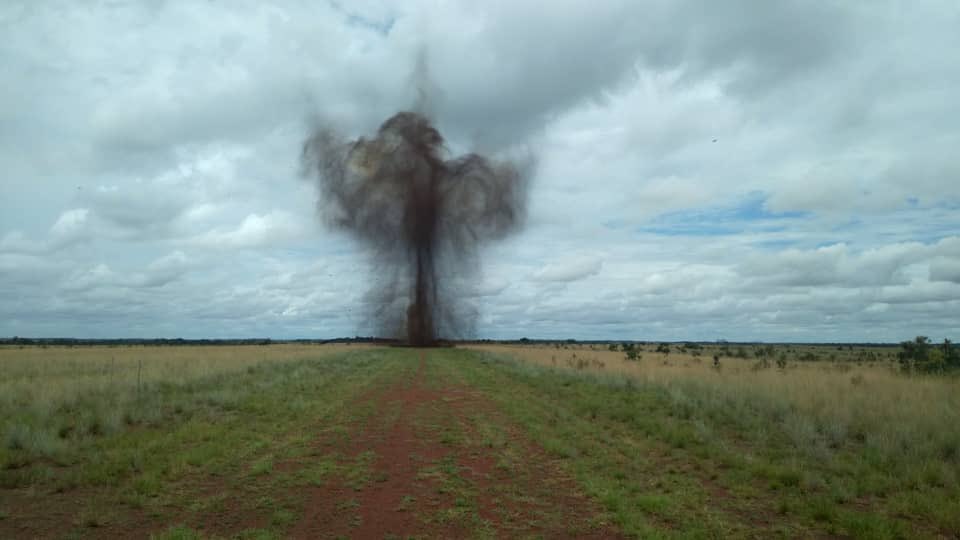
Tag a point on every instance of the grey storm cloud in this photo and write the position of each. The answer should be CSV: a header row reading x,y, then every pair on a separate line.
x,y
569,270
752,170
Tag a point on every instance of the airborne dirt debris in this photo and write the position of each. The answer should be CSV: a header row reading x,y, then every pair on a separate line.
x,y
424,218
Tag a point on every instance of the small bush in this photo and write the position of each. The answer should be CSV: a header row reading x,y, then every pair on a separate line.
x,y
921,356
33,441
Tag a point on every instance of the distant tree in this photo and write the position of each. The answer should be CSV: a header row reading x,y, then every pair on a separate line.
x,y
782,361
914,354
951,356
921,356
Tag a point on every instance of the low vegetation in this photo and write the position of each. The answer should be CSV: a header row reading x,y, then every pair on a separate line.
x,y
691,440
921,356
56,400
73,421
851,445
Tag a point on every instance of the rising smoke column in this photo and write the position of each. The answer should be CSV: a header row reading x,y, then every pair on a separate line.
x,y
422,216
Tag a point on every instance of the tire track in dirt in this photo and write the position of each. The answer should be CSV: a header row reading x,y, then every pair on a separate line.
x,y
431,475
530,494
383,506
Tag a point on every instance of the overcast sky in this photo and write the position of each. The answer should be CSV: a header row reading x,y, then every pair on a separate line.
x,y
744,170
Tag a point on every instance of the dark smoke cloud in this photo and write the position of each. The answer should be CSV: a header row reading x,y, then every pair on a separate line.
x,y
423,217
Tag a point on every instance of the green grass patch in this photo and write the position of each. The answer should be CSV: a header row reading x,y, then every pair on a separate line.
x,y
666,459
160,449
682,460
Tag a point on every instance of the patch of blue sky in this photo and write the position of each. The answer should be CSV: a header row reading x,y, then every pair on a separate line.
x,y
749,214
753,207
853,223
382,27
692,229
923,224
933,237
828,243
776,244
949,205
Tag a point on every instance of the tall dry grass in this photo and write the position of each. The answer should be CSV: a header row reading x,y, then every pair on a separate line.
x,y
822,406
53,397
33,375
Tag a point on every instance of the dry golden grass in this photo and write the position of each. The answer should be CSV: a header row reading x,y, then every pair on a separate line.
x,y
35,375
818,403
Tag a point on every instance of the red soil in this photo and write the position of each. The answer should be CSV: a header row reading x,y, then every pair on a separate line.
x,y
406,498
428,473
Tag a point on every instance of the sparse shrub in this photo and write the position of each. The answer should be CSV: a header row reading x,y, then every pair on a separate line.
x,y
101,422
763,363
921,356
842,367
630,351
951,356
769,351
33,441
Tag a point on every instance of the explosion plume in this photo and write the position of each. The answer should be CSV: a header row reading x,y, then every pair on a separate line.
x,y
423,217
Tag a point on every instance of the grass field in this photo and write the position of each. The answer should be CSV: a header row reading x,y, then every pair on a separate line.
x,y
486,441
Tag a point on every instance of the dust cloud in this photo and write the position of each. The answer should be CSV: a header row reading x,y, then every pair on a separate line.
x,y
423,218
